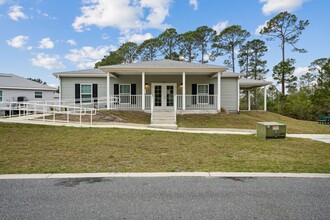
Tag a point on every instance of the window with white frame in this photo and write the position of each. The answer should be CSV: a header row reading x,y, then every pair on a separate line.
x,y
203,93
38,95
0,95
86,93
125,93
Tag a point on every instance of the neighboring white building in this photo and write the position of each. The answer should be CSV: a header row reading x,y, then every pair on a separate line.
x,y
14,87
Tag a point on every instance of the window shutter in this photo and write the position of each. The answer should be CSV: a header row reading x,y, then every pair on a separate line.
x,y
95,95
194,93
77,93
133,93
211,93
116,91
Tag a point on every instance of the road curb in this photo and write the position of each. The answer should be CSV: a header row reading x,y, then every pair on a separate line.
x,y
161,174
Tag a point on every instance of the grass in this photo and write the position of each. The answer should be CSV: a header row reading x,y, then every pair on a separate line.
x,y
248,120
244,120
52,149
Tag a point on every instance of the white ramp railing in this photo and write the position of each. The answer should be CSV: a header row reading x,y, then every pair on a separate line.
x,y
42,111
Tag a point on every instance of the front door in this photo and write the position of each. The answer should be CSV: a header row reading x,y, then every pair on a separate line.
x,y
164,94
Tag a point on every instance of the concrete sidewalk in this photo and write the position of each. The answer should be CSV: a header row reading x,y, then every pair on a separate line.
x,y
132,126
162,174
317,137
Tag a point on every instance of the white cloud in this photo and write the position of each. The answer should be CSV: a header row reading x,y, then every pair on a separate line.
x,y
300,71
123,14
260,27
47,61
72,42
137,38
16,13
86,57
18,42
45,14
220,26
194,4
46,43
274,6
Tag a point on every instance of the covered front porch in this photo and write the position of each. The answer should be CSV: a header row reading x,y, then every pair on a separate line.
x,y
159,87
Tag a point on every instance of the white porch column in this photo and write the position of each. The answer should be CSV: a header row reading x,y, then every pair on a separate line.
x,y
143,91
219,92
108,91
249,100
265,98
238,95
183,91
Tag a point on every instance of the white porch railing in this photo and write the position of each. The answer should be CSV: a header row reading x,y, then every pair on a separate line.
x,y
196,102
129,102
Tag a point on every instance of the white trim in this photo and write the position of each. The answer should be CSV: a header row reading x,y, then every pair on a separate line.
x,y
143,91
265,98
163,93
238,95
219,92
108,91
249,100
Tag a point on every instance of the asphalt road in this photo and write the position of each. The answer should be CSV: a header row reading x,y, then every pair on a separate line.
x,y
166,198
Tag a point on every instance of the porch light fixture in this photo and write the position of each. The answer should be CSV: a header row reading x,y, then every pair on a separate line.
x,y
146,86
181,85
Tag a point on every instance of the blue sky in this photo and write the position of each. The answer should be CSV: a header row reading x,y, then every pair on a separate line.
x,y
39,37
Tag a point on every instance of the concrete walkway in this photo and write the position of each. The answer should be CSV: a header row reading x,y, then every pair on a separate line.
x,y
161,174
317,137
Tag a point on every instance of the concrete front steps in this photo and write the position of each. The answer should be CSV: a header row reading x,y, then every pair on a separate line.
x,y
163,119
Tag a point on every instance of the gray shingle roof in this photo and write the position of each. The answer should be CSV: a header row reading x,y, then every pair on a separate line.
x,y
162,64
13,81
86,71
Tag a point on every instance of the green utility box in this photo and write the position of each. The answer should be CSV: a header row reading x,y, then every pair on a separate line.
x,y
268,130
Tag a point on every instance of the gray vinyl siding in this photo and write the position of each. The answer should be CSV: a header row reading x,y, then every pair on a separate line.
x,y
10,95
228,86
68,86
229,94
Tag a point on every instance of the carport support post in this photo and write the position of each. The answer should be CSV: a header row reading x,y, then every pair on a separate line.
x,y
249,100
143,91
238,95
219,92
108,91
183,91
265,98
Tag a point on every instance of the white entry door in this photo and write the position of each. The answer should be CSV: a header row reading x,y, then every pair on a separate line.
x,y
163,94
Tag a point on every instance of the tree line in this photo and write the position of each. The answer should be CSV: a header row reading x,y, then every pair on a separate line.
x,y
204,44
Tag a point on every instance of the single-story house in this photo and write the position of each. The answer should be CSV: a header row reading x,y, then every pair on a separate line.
x,y
14,88
160,85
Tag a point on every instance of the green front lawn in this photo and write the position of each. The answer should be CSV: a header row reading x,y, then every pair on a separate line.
x,y
53,149
248,120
